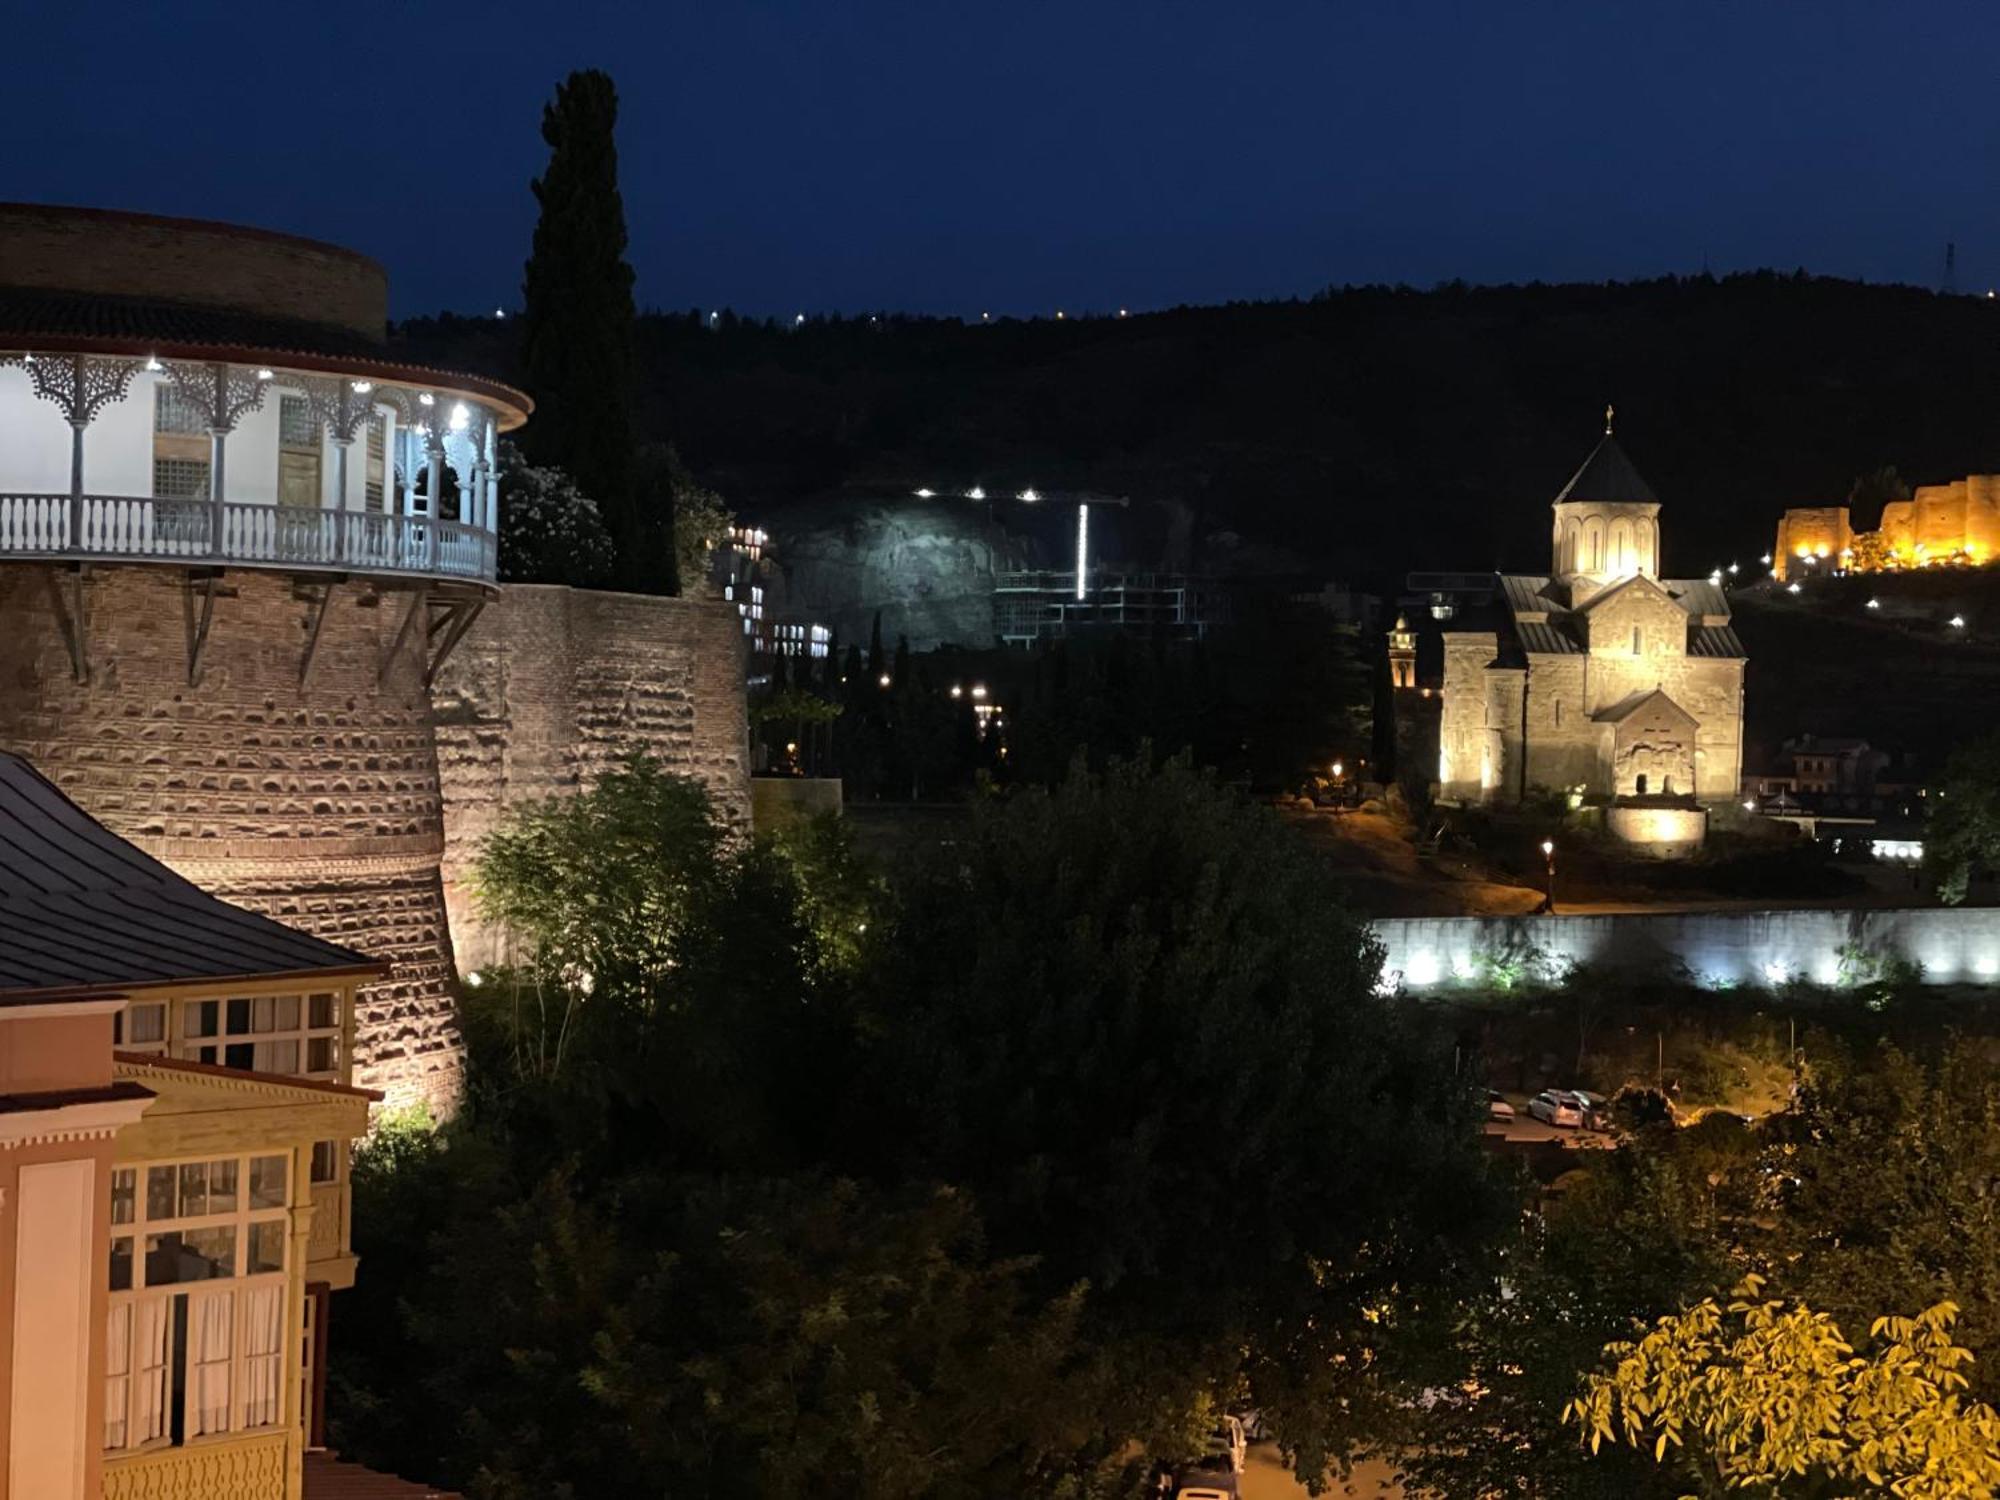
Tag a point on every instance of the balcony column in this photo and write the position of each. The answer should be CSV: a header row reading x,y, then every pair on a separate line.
x,y
80,386
225,397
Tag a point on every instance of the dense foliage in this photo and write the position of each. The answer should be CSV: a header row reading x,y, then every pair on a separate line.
x,y
550,531
1773,1399
1962,833
1868,1196
961,1181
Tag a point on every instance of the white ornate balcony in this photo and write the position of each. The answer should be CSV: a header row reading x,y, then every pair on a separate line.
x,y
223,463
119,528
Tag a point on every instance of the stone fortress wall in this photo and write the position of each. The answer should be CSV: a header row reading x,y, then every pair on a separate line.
x,y
553,687
1958,521
317,805
345,806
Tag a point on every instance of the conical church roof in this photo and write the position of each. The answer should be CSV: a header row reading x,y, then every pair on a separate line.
x,y
1608,475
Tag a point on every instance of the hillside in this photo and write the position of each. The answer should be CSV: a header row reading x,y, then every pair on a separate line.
x,y
1897,676
1382,429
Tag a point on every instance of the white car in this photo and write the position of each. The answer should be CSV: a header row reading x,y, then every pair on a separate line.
x,y
1497,1107
1229,1441
1554,1107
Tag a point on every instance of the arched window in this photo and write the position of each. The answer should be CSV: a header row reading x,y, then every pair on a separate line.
x,y
1638,642
1641,784
1621,547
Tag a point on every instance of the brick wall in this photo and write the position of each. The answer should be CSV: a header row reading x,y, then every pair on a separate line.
x,y
555,685
193,261
318,806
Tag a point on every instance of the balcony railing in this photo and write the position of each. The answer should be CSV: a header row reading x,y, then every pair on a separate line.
x,y
118,528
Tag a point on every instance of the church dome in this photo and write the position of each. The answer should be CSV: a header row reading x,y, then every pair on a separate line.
x,y
1606,519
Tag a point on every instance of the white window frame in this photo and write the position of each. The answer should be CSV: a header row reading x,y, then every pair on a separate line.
x,y
214,1047
128,1311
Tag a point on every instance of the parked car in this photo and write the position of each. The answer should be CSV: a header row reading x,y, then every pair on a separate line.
x,y
1227,1440
1497,1107
1210,1478
1596,1109
1556,1107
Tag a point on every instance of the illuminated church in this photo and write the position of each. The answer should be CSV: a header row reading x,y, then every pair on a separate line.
x,y
1602,680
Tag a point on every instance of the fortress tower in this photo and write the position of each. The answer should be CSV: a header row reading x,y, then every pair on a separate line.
x,y
238,539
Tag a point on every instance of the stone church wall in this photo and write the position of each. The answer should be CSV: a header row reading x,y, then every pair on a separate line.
x,y
318,806
554,686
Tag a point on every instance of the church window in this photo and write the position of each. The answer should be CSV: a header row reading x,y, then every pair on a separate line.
x,y
1641,784
1559,713
1638,642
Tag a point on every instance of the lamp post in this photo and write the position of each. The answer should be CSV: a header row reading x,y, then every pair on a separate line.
x,y
1549,897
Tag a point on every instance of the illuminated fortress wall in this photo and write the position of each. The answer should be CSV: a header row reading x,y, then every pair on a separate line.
x,y
553,687
1955,945
1958,522
314,803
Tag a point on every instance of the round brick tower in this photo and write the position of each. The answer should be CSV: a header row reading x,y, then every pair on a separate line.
x,y
238,538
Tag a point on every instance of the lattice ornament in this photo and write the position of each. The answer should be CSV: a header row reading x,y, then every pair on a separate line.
x,y
82,385
224,394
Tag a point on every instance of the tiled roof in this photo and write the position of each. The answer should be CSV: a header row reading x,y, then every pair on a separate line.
x,y
1608,475
35,319
28,313
81,909
330,1478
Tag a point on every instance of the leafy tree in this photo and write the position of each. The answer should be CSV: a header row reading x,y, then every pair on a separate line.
x,y
699,518
1772,1399
594,885
1135,1018
550,532
1962,832
577,325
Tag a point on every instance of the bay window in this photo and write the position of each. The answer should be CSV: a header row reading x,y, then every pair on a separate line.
x,y
195,1337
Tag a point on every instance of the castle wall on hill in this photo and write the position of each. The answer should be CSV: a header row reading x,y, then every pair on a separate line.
x,y
317,804
553,687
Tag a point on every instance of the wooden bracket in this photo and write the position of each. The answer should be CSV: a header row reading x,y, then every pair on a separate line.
x,y
312,632
417,600
457,620
197,630
69,618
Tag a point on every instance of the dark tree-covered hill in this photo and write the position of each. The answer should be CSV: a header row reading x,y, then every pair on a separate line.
x,y
1381,428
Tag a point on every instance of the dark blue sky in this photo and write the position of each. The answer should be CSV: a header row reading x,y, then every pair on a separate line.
x,y
951,157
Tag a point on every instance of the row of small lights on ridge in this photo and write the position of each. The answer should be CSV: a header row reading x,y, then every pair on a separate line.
x,y
1956,622
799,319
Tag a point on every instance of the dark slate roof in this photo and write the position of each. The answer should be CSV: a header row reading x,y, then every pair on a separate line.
x,y
81,909
1608,475
1560,635
1619,712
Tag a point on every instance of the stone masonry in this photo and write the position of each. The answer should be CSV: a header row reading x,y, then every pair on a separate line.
x,y
554,686
315,804
347,806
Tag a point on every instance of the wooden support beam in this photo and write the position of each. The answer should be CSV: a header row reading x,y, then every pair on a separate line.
x,y
69,618
312,633
418,598
462,616
197,630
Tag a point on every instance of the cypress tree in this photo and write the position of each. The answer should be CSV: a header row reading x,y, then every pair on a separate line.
x,y
577,326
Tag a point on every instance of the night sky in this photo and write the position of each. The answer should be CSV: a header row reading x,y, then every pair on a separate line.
x,y
956,157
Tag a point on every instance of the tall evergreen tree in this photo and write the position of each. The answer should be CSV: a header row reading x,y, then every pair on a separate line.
x,y
577,331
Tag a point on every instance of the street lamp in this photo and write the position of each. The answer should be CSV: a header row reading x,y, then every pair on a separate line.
x,y
1337,768
1549,896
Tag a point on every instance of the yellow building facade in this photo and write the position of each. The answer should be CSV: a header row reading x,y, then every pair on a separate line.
x,y
175,1125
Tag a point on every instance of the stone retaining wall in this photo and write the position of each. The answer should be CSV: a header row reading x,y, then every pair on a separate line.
x,y
1955,945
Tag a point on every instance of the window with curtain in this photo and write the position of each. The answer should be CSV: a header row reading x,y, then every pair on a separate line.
x,y
195,1332
297,1034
